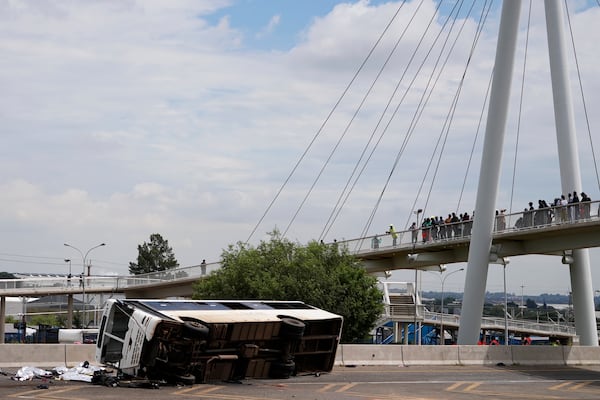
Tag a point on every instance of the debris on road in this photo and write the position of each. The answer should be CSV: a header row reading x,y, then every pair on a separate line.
x,y
28,373
81,373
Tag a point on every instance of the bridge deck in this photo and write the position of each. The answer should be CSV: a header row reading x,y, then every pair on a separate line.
x,y
555,237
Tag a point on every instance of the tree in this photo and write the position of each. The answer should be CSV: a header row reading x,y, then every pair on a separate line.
x,y
531,304
7,275
154,256
49,319
324,276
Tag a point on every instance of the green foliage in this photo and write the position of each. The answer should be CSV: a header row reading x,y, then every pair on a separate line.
x,y
154,256
531,304
49,319
10,319
325,276
78,320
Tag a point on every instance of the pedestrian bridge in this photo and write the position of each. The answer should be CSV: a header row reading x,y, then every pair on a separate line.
x,y
171,283
554,236
551,235
404,307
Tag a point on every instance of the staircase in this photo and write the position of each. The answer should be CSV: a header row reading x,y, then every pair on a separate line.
x,y
401,307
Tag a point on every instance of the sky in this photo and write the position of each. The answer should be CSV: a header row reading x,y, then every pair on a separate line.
x,y
125,118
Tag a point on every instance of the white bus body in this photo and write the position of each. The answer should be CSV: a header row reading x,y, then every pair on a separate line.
x,y
188,341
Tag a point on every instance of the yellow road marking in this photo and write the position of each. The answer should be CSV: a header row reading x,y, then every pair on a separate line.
x,y
345,387
579,386
472,386
560,386
53,394
205,390
327,387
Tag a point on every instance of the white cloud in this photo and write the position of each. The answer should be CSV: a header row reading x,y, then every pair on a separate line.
x,y
126,118
270,27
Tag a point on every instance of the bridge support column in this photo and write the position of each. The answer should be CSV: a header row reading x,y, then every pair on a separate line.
x,y
70,311
487,190
570,174
2,317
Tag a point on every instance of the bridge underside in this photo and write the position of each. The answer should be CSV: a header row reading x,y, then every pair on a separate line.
x,y
183,287
552,240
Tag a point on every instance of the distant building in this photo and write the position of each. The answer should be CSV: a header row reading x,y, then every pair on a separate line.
x,y
55,303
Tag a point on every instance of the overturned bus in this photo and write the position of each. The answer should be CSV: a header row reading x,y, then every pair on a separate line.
x,y
195,341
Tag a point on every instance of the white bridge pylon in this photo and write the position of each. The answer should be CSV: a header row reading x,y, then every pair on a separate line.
x,y
479,250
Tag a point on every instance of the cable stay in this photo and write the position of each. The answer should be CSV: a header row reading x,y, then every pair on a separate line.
x,y
393,95
318,133
337,208
450,116
409,133
416,118
350,123
587,120
512,186
423,67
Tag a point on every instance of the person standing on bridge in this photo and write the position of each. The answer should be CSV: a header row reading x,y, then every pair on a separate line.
x,y
563,209
203,267
414,233
394,235
585,206
574,206
375,242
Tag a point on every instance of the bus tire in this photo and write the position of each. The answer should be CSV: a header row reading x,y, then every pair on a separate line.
x,y
195,329
282,369
186,380
291,328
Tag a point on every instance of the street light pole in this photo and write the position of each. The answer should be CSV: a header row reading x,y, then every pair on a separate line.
x,y
417,212
68,260
83,258
443,281
505,261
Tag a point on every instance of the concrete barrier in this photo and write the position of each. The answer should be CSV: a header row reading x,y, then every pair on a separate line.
x,y
537,355
52,355
366,354
430,355
351,354
484,355
45,355
581,355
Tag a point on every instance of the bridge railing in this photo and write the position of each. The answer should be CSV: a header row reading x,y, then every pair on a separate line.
x,y
498,324
455,231
80,283
193,271
60,283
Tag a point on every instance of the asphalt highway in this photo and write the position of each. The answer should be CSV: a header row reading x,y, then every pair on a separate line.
x,y
374,383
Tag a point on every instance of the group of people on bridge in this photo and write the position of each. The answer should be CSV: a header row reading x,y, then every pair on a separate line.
x,y
435,228
563,209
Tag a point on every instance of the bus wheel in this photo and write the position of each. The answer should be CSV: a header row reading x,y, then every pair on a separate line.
x,y
291,328
195,329
282,369
186,380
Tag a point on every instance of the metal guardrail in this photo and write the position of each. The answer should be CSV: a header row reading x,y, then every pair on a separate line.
x,y
418,312
498,324
77,284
